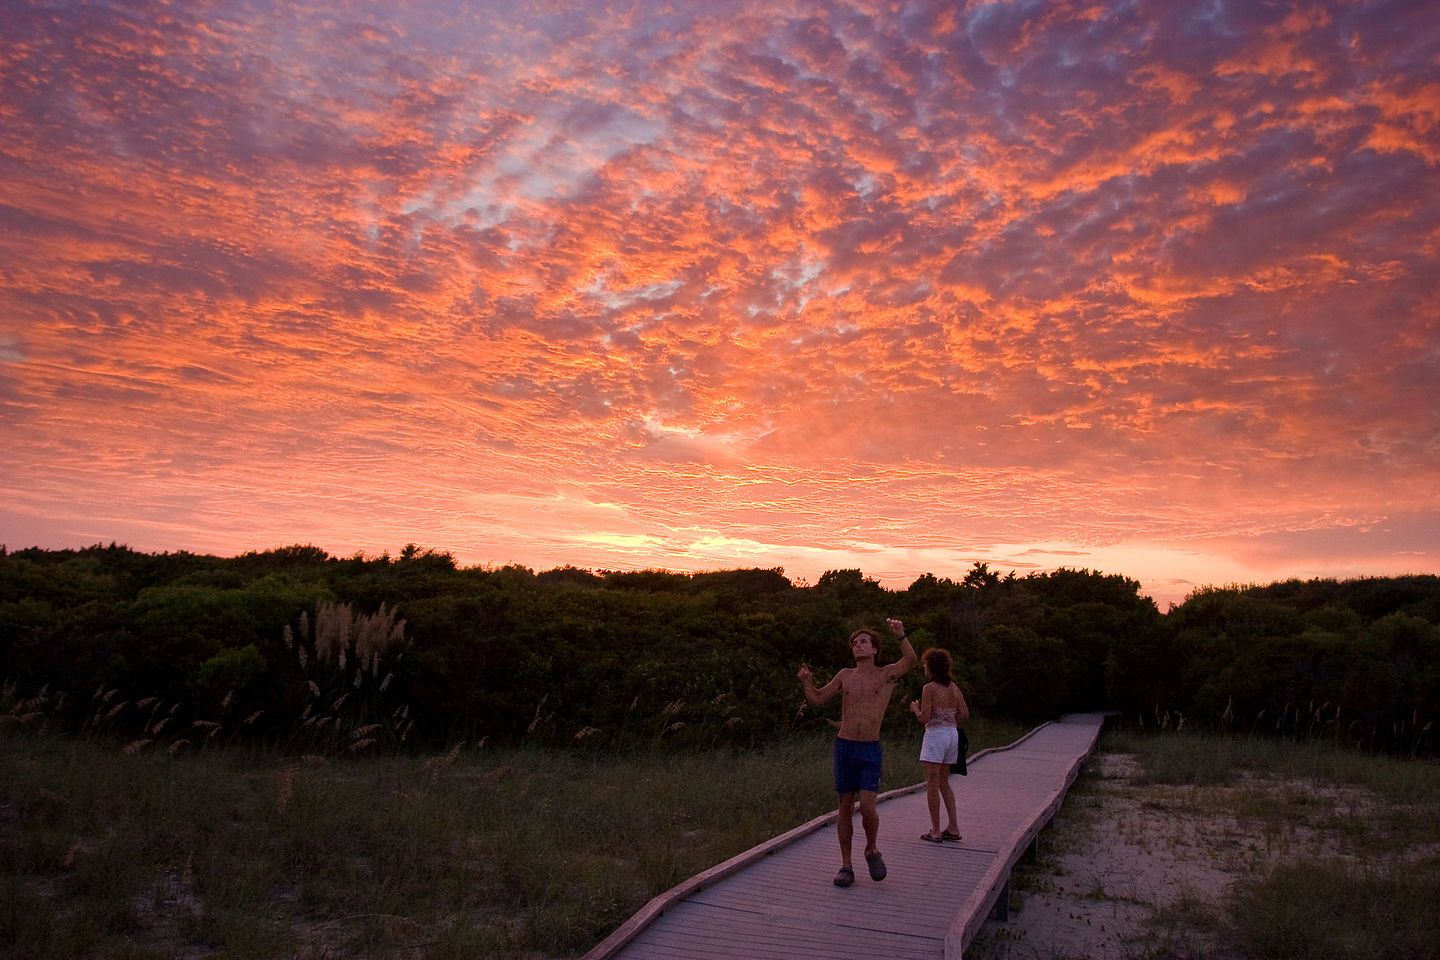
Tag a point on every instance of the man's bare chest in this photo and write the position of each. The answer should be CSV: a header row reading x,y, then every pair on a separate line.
x,y
863,689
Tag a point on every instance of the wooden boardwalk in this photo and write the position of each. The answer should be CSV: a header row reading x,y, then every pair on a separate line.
x,y
777,902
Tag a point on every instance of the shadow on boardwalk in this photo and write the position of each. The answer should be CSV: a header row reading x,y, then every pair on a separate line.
x,y
776,901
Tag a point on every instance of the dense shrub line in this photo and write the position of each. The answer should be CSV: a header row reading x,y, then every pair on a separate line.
x,y
315,653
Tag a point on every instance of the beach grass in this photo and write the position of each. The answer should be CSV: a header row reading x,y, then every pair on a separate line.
x,y
516,852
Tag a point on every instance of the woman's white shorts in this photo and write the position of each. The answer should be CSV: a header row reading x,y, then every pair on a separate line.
x,y
941,745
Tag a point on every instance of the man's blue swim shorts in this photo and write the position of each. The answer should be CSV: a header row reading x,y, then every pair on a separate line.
x,y
857,765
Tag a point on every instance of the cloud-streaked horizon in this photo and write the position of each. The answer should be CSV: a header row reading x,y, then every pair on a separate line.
x,y
1145,287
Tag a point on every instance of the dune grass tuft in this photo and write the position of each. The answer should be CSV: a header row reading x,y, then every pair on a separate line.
x,y
1337,908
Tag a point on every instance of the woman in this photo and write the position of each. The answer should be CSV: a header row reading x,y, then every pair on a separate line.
x,y
942,709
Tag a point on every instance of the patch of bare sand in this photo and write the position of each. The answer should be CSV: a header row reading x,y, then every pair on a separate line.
x,y
1130,870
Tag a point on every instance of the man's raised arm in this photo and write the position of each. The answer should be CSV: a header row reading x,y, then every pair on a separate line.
x,y
907,653
814,696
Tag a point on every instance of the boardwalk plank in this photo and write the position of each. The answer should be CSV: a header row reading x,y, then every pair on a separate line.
x,y
701,932
777,901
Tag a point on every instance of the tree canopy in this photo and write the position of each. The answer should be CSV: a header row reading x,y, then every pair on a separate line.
x,y
284,645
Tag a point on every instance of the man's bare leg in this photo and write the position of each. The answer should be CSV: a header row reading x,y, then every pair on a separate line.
x,y
845,825
869,819
845,832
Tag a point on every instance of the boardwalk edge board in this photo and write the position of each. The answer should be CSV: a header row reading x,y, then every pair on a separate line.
x,y
976,909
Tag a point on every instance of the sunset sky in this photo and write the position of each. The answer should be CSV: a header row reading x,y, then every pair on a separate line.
x,y
1147,287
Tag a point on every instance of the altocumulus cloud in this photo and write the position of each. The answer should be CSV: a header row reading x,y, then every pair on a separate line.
x,y
920,283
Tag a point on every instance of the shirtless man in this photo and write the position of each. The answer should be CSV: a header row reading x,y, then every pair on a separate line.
x,y
865,690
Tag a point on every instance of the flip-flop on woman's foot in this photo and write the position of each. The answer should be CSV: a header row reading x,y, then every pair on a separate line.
x,y
949,835
932,838
845,877
876,863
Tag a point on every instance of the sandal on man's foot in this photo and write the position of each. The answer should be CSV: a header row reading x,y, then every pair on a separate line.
x,y
876,863
932,838
949,835
845,877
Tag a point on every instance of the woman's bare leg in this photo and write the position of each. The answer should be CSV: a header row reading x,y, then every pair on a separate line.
x,y
934,773
948,795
